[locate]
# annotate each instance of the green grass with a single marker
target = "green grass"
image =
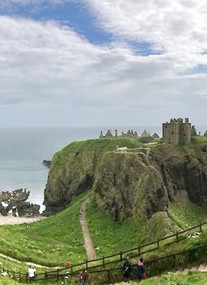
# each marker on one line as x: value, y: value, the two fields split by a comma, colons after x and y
x: 58, y: 238
x: 198, y: 139
x: 54, y: 240
x: 99, y: 146
x: 4, y: 280
x: 185, y: 214
x: 197, y: 278
x: 9, y: 265
x: 112, y: 237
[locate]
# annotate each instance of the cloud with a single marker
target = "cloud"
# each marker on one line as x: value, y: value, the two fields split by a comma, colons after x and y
x: 170, y: 26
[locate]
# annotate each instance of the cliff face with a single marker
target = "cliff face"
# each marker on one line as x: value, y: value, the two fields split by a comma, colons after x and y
x: 183, y: 171
x: 129, y: 183
x: 72, y: 178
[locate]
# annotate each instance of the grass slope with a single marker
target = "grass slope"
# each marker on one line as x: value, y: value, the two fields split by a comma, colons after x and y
x: 58, y: 238
x: 54, y: 240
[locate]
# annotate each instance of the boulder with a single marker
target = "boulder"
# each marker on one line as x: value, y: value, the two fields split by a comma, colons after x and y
x: 27, y: 209
x: 46, y: 163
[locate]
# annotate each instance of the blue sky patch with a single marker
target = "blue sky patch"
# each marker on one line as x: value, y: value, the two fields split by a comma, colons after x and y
x: 144, y: 48
x: 74, y: 15
x: 201, y: 68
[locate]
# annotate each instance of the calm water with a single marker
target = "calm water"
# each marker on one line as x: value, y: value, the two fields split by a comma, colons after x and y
x: 23, y: 150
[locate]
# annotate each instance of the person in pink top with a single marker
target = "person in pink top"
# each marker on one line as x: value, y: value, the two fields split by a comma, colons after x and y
x: 140, y: 270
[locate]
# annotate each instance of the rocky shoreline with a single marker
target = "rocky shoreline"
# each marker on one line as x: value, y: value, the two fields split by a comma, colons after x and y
x: 16, y: 204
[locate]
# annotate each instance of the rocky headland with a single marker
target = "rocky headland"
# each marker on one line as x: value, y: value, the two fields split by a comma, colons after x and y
x: 128, y: 182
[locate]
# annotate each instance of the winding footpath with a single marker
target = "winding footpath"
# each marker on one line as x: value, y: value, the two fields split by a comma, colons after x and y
x: 90, y: 250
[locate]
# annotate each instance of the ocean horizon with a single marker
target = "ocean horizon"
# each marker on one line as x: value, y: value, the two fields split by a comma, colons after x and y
x: 24, y: 149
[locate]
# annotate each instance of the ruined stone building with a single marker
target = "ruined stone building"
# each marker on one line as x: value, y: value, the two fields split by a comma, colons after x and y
x: 114, y: 134
x: 176, y: 131
x: 109, y: 134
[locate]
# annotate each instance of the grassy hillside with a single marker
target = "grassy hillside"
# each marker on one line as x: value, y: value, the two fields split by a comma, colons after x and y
x: 58, y: 238
x: 185, y: 214
x: 197, y: 278
x: 100, y: 146
x: 54, y: 240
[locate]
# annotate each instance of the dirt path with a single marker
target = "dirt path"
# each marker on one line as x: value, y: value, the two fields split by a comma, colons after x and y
x: 91, y: 253
x: 22, y: 262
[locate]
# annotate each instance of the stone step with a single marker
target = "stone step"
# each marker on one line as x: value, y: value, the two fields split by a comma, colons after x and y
x: 194, y: 268
x: 202, y: 268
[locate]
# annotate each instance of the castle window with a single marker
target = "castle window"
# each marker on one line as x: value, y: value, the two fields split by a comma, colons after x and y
x: 172, y: 132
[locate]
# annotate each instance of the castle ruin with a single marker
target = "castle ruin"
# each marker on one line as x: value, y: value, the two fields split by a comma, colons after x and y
x: 176, y: 131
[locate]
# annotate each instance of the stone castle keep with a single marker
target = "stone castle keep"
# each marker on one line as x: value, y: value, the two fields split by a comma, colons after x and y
x: 176, y: 131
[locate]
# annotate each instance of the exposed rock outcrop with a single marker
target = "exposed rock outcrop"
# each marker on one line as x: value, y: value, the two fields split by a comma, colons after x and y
x: 127, y: 184
x: 46, y: 163
x: 15, y: 201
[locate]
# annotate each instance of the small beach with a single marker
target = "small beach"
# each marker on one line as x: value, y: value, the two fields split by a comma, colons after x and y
x: 11, y: 220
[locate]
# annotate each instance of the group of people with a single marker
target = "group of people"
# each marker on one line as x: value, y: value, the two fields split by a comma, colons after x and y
x: 83, y: 275
x: 140, y: 270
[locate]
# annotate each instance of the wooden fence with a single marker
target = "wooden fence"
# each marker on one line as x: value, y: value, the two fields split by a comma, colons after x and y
x: 108, y: 264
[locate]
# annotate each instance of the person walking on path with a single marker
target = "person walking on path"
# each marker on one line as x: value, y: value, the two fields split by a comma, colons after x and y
x: 126, y: 270
x: 141, y: 274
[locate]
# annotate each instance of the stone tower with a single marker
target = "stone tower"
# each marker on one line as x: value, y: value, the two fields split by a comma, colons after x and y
x: 176, y: 131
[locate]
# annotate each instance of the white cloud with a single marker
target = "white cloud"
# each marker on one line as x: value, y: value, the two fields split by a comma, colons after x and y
x: 48, y: 71
x: 178, y: 25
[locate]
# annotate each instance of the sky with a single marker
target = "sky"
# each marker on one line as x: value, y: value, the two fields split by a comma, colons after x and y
x: 102, y: 62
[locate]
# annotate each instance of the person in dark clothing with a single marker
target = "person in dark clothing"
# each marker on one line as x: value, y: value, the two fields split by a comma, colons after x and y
x: 83, y: 276
x: 140, y: 270
x: 126, y: 270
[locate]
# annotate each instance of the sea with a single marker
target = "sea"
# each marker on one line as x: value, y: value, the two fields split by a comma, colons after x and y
x: 22, y: 151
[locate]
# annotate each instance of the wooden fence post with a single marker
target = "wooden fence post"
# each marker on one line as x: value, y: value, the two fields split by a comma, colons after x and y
x: 200, y: 227
x: 46, y: 276
x: 177, y: 236
x: 139, y: 250
x: 158, y: 243
x: 109, y: 276
x: 103, y: 261
x: 58, y: 275
x: 120, y: 255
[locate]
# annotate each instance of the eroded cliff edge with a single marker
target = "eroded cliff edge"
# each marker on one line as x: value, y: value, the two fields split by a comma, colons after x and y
x: 127, y: 183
